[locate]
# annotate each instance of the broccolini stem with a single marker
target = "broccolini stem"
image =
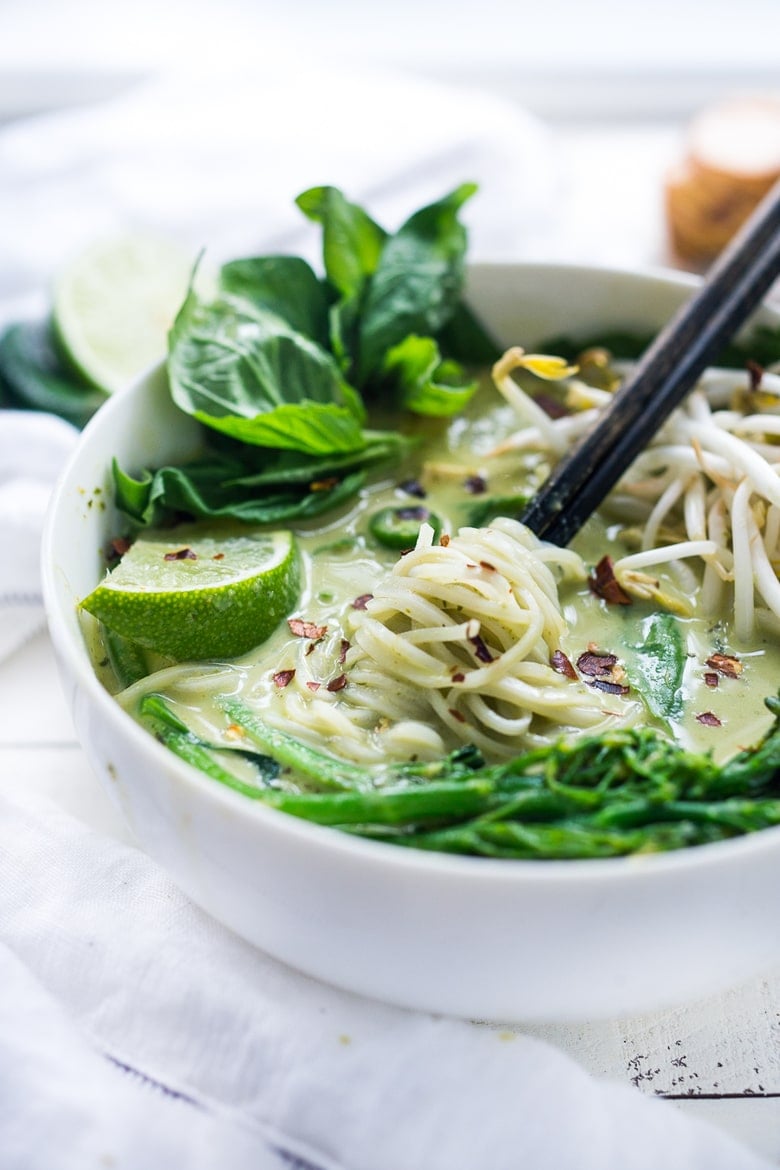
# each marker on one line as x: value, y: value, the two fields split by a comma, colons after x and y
x: 326, y: 771
x: 756, y: 769
x: 624, y: 791
x: 434, y: 802
x: 189, y: 749
x: 560, y: 841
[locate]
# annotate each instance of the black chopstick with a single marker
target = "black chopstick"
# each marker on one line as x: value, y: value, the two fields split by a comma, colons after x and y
x: 666, y: 372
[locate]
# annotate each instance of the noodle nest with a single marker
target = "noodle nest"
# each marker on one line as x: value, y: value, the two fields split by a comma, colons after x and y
x: 464, y: 631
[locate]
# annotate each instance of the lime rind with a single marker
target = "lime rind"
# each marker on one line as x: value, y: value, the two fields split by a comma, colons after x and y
x: 188, y: 596
x: 114, y: 304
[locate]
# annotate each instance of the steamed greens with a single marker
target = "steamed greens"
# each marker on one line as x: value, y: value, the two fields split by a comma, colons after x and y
x: 625, y: 791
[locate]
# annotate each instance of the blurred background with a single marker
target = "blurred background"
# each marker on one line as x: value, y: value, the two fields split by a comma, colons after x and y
x: 205, y: 118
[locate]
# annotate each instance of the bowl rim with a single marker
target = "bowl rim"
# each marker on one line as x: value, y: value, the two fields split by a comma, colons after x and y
x: 498, y: 871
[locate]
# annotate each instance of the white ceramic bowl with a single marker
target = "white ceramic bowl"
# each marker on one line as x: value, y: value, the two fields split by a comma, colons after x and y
x: 473, y: 937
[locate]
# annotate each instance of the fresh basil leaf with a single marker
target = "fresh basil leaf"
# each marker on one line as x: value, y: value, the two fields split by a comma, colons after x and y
x: 424, y: 383
x: 133, y: 496
x: 351, y: 241
x: 315, y: 428
x: 198, y: 490
x: 243, y: 371
x: 466, y: 339
x: 286, y: 506
x: 33, y: 376
x: 344, y: 321
x: 285, y: 285
x: 658, y: 664
x: 156, y: 495
x: 417, y: 283
x: 290, y: 467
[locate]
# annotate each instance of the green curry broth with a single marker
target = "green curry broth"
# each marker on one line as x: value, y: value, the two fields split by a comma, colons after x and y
x: 341, y: 560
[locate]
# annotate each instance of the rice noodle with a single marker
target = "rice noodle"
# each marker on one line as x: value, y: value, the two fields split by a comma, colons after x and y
x: 465, y: 632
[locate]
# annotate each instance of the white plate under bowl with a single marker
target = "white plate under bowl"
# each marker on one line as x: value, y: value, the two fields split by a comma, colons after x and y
x: 478, y: 938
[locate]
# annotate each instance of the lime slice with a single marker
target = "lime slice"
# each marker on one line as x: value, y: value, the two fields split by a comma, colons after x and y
x: 190, y: 593
x: 114, y: 305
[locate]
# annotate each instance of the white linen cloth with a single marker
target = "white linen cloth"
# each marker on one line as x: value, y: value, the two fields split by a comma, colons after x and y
x: 216, y: 164
x: 33, y: 449
x: 102, y: 957
x: 136, y: 1032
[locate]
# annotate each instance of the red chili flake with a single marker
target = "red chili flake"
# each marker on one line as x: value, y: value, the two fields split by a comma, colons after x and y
x: 458, y: 676
x: 475, y: 484
x: 726, y: 664
x: 708, y: 719
x: 457, y: 715
x: 551, y: 406
x: 182, y: 554
x: 610, y: 688
x: 343, y: 651
x: 313, y: 686
x: 755, y: 373
x: 283, y: 678
x: 303, y: 629
x: 480, y: 649
x: 362, y: 601
x: 602, y: 670
x: 337, y: 684
x: 234, y: 729
x: 218, y: 557
x: 413, y: 487
x: 605, y: 584
x: 561, y: 663
x: 711, y: 679
x: 487, y: 566
x: 444, y: 540
x: 120, y: 545
x: 595, y: 663
x: 323, y: 485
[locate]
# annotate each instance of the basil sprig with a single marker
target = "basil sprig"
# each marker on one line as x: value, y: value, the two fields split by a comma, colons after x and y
x: 281, y: 366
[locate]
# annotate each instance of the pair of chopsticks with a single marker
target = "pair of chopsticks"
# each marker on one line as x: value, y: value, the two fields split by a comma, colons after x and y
x: 666, y: 372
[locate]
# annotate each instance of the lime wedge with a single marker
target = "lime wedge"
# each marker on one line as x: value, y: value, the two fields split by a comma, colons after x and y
x: 114, y: 304
x: 190, y: 593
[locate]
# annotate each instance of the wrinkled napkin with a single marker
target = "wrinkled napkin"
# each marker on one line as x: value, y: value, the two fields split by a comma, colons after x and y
x: 217, y: 166
x: 33, y: 449
x: 136, y: 1032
